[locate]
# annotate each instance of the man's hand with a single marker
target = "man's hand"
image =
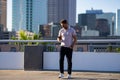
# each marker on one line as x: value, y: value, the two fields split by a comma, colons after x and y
x: 59, y: 38
x: 75, y: 40
x: 72, y: 46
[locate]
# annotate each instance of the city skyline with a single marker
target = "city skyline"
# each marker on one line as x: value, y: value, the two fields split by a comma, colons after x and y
x: 28, y: 15
x: 81, y: 7
x: 84, y: 5
x: 59, y: 9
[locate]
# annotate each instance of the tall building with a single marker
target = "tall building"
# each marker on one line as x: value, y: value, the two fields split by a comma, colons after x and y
x: 3, y: 13
x: 62, y: 9
x: 103, y: 27
x: 45, y: 31
x: 118, y: 22
x: 1, y: 28
x: 92, y: 11
x: 50, y: 30
x: 111, y: 17
x: 90, y: 33
x: 28, y: 14
x: 87, y: 20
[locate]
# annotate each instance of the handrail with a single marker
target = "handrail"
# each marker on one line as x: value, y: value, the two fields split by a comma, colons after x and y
x: 78, y: 41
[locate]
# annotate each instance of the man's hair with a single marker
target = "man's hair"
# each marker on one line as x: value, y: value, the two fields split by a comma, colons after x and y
x: 63, y: 21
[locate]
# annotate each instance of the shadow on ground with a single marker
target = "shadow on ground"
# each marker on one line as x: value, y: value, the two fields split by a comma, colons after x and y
x: 78, y: 78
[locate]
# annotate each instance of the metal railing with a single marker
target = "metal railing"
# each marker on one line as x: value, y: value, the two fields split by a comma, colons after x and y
x: 87, y: 45
x: 78, y: 41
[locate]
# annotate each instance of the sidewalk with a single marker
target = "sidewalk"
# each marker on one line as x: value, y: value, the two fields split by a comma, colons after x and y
x: 53, y: 75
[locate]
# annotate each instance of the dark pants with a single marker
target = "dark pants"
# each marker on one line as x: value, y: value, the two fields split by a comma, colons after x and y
x: 64, y: 51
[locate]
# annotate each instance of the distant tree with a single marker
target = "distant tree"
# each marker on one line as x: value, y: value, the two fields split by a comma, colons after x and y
x: 13, y: 38
x: 23, y: 35
x: 110, y: 49
x: 118, y: 50
x: 36, y: 37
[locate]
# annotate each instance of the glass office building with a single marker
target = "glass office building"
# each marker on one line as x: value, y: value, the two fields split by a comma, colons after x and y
x: 118, y: 22
x: 62, y: 9
x: 28, y: 14
x: 92, y: 11
x: 111, y: 17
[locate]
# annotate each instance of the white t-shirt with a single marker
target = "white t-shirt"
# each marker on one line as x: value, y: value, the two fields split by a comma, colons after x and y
x: 67, y: 36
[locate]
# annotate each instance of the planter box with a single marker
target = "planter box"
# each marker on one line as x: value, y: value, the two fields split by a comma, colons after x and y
x: 86, y: 61
x: 33, y: 58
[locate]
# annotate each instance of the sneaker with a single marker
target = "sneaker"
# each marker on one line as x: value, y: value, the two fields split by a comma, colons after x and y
x: 61, y: 75
x: 69, y: 76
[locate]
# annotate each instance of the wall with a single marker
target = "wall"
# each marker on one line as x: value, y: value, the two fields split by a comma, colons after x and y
x: 85, y: 61
x: 81, y: 61
x: 11, y: 60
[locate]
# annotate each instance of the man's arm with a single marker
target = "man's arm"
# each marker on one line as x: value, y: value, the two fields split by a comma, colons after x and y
x: 59, y: 38
x: 74, y: 41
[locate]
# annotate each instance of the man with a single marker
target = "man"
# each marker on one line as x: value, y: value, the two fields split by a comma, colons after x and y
x: 67, y: 37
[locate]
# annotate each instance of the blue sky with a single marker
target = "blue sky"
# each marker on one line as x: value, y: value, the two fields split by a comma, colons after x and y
x: 82, y: 6
x: 105, y: 5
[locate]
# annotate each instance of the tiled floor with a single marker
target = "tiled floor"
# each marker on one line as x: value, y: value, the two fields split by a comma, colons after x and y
x: 53, y: 75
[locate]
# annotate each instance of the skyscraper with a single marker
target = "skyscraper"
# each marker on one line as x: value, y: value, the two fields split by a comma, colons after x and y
x: 118, y: 22
x: 111, y: 17
x: 62, y: 9
x: 87, y: 20
x: 28, y: 14
x: 103, y: 27
x: 92, y: 11
x: 3, y: 13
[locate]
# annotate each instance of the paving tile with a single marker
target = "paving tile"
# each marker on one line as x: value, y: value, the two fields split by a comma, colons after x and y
x: 53, y: 75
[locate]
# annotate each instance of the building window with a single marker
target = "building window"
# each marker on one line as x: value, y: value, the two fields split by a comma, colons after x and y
x: 80, y: 49
x: 0, y: 49
x: 13, y: 49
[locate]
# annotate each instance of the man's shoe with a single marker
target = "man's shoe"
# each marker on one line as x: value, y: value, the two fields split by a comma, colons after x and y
x: 69, y: 76
x: 61, y: 75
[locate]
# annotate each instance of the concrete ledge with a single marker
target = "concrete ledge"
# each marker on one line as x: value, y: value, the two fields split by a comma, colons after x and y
x: 87, y: 61
x: 12, y: 60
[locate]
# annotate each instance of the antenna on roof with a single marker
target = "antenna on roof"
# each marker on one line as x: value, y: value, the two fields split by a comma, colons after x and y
x: 91, y: 8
